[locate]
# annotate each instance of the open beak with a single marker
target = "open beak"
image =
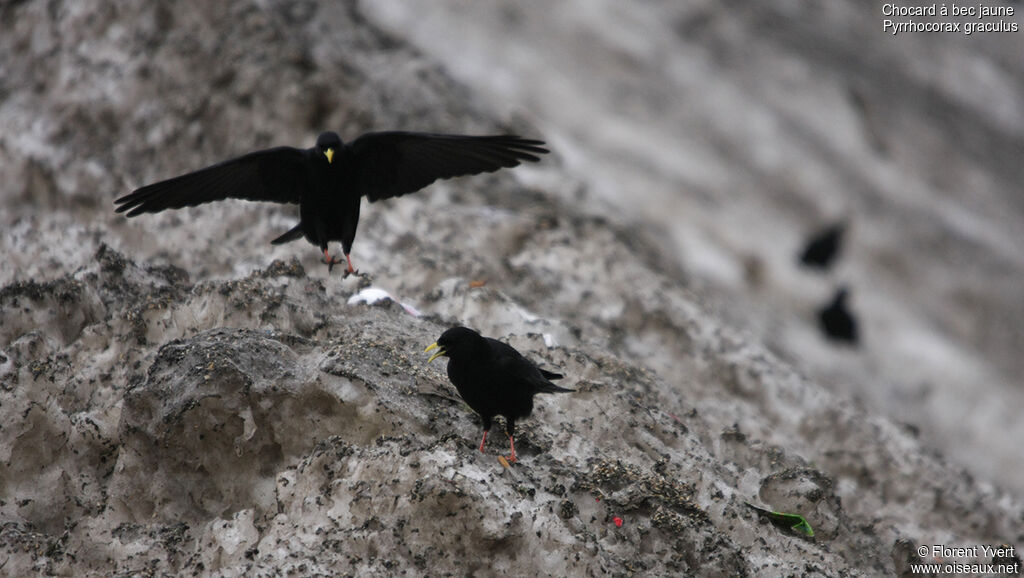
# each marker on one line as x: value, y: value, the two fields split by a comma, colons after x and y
x: 329, y: 153
x: 440, y: 351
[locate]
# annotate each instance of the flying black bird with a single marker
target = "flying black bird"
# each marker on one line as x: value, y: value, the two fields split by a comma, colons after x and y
x: 328, y: 180
x: 837, y: 321
x: 493, y: 378
x: 823, y: 248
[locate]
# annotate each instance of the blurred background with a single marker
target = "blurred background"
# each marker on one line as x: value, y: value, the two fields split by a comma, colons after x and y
x: 731, y: 132
x: 739, y: 130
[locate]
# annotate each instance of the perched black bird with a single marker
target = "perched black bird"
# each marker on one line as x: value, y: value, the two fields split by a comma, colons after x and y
x: 493, y: 378
x: 328, y: 180
x: 823, y: 247
x: 837, y: 321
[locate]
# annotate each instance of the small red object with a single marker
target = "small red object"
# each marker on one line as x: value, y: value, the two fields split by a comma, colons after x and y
x: 618, y: 521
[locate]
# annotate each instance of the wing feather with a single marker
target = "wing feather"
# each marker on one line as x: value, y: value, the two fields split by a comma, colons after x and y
x: 391, y: 164
x: 278, y: 175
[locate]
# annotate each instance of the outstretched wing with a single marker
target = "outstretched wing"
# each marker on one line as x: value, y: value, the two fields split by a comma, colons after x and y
x: 277, y: 174
x: 391, y: 164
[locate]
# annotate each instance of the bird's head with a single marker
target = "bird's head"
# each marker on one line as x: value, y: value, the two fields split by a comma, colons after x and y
x: 328, y: 144
x: 457, y: 342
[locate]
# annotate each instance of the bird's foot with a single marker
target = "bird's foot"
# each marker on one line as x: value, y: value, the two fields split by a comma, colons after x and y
x: 331, y: 262
x: 512, y: 444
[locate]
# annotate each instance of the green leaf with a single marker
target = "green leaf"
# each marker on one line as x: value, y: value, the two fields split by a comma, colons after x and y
x: 794, y: 522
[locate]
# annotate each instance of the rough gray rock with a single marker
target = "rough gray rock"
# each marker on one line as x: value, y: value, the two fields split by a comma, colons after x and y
x: 179, y: 397
x: 738, y: 129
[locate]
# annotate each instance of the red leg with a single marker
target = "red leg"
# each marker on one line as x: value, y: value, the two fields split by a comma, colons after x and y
x: 483, y: 441
x: 351, y: 269
x: 512, y: 443
x: 331, y: 262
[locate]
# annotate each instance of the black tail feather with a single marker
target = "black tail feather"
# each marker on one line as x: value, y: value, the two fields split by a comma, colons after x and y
x: 291, y: 235
x: 548, y: 387
x: 551, y: 375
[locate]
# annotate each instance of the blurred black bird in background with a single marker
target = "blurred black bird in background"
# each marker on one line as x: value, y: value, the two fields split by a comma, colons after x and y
x: 837, y: 321
x: 823, y: 247
x: 493, y: 378
x: 328, y: 180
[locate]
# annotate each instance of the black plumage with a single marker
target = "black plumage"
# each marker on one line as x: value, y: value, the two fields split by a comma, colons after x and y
x: 329, y: 180
x: 823, y: 247
x: 493, y: 378
x: 837, y: 322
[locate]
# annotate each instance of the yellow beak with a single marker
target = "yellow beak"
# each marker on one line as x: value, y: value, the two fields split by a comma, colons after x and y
x: 433, y: 346
x: 329, y: 153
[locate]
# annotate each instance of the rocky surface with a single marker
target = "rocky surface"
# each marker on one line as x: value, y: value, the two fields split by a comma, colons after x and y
x: 739, y: 129
x: 180, y: 397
